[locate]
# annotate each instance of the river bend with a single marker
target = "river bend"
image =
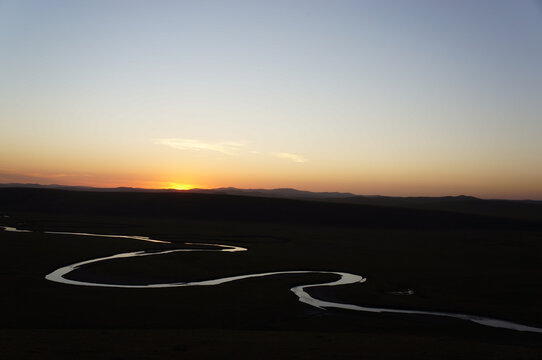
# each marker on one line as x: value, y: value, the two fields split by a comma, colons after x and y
x: 300, y: 291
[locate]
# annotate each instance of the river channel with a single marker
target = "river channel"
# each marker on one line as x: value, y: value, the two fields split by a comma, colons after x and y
x: 59, y: 275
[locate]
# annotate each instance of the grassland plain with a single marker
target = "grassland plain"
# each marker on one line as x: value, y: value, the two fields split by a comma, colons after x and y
x: 468, y: 264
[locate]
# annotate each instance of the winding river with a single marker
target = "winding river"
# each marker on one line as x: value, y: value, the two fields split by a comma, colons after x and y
x: 300, y: 291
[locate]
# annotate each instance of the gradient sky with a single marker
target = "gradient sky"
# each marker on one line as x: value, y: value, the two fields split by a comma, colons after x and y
x: 372, y: 97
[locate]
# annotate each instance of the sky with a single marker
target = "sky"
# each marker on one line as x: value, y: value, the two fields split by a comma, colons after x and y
x: 401, y: 98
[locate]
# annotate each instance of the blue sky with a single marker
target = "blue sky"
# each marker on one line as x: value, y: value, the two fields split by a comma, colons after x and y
x: 391, y: 97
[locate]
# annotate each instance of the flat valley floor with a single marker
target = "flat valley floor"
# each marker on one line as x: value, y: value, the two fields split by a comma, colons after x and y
x: 479, y: 271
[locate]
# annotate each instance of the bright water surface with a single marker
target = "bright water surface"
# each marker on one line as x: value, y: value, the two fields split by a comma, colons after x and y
x: 300, y: 291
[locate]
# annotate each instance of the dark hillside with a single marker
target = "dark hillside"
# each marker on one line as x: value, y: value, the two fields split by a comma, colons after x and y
x: 240, y: 208
x: 514, y: 209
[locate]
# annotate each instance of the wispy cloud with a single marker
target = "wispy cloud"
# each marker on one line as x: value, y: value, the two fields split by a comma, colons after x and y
x: 225, y: 147
x: 293, y: 157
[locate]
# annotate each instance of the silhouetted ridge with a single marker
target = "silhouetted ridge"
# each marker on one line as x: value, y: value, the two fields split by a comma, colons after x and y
x: 515, y: 209
x: 239, y: 208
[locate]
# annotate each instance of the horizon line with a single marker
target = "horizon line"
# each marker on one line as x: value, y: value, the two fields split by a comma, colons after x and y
x: 194, y: 189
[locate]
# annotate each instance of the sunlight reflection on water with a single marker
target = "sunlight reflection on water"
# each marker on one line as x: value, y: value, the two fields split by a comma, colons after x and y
x: 300, y: 291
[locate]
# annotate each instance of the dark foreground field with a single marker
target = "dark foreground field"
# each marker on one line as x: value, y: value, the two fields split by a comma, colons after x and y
x: 454, y: 262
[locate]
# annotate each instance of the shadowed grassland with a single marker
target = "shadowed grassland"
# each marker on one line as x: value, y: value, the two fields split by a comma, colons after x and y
x: 481, y: 266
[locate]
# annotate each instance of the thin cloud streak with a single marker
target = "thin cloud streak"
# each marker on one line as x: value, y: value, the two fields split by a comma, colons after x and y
x: 225, y: 147
x: 293, y: 157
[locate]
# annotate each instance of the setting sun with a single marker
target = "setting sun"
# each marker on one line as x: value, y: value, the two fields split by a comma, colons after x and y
x: 178, y: 186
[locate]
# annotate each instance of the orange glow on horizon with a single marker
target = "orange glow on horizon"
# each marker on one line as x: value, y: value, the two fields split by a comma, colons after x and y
x: 179, y: 186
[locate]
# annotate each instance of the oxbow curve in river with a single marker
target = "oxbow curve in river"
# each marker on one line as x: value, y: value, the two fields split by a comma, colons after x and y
x: 300, y: 291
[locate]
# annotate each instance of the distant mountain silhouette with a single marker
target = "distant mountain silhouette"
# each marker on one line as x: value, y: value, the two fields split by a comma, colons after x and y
x: 258, y: 209
x: 512, y: 209
x: 82, y: 188
x: 283, y: 193
x: 515, y: 209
